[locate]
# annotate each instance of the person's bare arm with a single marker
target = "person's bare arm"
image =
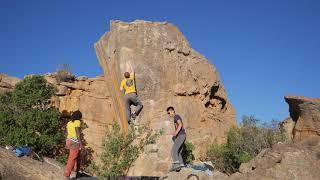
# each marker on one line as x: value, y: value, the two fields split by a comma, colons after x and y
x: 130, y: 68
x: 178, y: 128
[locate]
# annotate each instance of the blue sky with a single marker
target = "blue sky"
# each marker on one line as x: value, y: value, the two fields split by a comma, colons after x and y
x: 263, y: 49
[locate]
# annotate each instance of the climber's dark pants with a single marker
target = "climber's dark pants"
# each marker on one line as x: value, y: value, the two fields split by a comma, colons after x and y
x: 177, y: 148
x: 132, y: 99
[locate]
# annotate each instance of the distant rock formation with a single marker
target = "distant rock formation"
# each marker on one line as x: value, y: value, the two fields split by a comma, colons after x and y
x: 168, y: 73
x: 7, y: 83
x: 305, y: 112
x: 284, y: 161
x: 298, y: 158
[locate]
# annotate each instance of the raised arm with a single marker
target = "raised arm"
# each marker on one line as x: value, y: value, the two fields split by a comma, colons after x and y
x: 130, y: 68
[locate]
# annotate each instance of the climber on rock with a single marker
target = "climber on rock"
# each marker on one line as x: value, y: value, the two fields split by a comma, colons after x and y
x: 179, y: 137
x: 128, y: 85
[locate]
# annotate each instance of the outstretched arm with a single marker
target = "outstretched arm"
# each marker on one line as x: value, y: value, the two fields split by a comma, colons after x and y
x: 130, y: 68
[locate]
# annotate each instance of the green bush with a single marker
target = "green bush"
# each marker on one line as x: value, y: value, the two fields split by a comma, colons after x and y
x: 187, y: 152
x: 62, y: 158
x: 243, y: 144
x: 216, y: 153
x: 27, y: 118
x: 120, y: 151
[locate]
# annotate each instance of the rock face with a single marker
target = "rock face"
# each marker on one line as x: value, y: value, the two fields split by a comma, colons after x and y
x: 7, y: 83
x: 12, y: 167
x: 305, y: 112
x: 168, y: 73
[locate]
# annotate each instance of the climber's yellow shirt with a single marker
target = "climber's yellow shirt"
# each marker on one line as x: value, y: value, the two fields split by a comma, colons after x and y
x: 71, y: 128
x: 128, y: 84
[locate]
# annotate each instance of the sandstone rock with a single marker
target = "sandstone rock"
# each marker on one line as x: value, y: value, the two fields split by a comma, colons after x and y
x: 219, y: 175
x: 12, y: 167
x: 7, y: 83
x: 168, y: 73
x: 305, y: 112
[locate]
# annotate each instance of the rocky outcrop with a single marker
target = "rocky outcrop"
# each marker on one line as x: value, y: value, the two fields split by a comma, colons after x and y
x: 297, y: 160
x: 168, y: 73
x: 7, y: 83
x: 284, y: 161
x: 12, y: 167
x: 305, y: 112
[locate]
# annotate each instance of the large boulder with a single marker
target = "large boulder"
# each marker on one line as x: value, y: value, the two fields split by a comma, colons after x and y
x: 305, y: 112
x: 168, y: 73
